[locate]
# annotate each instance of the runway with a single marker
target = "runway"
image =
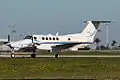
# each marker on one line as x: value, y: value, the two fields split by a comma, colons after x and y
x: 65, y: 56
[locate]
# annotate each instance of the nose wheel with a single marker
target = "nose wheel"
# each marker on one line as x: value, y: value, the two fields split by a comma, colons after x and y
x: 12, y: 55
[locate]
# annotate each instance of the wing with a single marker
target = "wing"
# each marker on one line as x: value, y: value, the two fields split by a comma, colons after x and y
x: 68, y: 45
x: 64, y: 46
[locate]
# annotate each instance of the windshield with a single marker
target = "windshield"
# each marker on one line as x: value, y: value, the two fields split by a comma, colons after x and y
x: 28, y: 37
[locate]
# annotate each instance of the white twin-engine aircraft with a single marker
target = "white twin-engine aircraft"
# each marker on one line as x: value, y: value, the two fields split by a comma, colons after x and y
x: 56, y: 43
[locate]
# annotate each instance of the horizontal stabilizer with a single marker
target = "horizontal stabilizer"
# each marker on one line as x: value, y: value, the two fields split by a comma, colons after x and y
x: 100, y: 21
x: 96, y: 23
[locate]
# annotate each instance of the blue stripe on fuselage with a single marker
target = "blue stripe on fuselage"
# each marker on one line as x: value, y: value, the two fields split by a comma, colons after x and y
x: 62, y: 42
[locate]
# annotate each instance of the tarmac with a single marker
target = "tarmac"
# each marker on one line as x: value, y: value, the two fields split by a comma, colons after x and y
x: 65, y: 56
x: 28, y: 54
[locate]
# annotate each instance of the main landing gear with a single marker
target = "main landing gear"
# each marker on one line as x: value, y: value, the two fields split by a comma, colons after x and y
x: 57, y: 55
x: 33, y: 55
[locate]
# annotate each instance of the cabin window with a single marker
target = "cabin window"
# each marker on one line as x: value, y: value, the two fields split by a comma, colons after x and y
x: 69, y: 39
x: 35, y: 37
x: 46, y: 38
x: 50, y: 38
x: 43, y: 38
x: 53, y: 38
x: 57, y: 38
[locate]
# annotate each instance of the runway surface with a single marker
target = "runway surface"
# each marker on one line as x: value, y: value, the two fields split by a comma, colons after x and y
x: 40, y: 56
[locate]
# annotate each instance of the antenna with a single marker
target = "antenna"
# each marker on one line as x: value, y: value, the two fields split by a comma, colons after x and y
x: 57, y: 33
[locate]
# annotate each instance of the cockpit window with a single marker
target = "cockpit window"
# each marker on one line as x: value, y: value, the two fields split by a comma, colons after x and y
x: 28, y: 37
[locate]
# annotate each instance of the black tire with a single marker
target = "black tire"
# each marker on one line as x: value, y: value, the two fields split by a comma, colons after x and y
x: 12, y: 55
x: 56, y: 55
x: 33, y: 55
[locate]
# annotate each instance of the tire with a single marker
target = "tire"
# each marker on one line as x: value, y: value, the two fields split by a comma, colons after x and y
x: 12, y: 55
x: 33, y: 55
x: 56, y: 55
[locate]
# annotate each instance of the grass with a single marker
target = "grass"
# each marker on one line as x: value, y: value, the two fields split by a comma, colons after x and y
x: 67, y: 68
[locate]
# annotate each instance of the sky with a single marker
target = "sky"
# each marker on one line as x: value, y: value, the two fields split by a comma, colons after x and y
x: 63, y: 16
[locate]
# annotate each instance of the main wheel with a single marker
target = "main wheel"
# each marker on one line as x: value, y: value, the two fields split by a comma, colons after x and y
x: 12, y: 55
x: 56, y: 55
x: 33, y: 55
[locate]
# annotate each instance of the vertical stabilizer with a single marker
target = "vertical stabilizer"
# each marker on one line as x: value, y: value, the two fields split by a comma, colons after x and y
x: 91, y: 29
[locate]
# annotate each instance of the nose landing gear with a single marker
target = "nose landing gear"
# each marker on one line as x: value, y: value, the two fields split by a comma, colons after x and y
x: 12, y: 55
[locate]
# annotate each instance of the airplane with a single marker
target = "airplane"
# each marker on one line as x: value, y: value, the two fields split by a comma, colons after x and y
x: 57, y: 43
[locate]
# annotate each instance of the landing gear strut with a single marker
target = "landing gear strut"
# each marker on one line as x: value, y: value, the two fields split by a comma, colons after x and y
x: 12, y: 53
x: 56, y: 52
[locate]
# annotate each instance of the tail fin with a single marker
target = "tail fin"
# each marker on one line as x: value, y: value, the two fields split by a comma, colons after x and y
x: 91, y: 29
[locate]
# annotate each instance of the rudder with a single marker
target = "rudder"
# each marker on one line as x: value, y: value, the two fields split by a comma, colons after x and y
x: 91, y: 29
